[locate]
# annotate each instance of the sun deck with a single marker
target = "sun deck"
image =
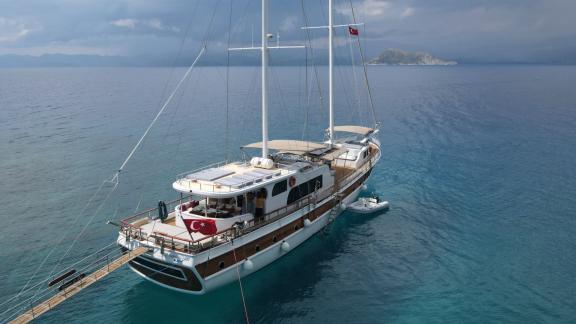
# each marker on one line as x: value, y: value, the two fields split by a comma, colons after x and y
x: 232, y: 179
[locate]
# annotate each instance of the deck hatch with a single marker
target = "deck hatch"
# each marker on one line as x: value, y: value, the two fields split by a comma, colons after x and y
x: 210, y: 174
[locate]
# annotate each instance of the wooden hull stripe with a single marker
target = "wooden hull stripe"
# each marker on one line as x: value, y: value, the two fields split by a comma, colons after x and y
x: 226, y: 260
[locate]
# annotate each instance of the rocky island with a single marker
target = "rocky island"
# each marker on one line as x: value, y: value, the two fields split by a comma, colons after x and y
x: 394, y: 56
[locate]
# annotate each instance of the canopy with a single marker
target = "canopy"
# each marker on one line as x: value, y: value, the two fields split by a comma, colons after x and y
x: 334, y: 154
x: 353, y: 129
x: 289, y: 146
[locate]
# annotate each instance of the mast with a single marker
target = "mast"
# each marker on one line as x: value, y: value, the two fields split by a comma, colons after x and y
x: 330, y: 72
x: 264, y: 79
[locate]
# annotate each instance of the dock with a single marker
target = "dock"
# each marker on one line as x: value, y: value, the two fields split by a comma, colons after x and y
x: 76, y: 287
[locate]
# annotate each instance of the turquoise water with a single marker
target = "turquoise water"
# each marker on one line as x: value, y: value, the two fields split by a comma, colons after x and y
x: 478, y: 166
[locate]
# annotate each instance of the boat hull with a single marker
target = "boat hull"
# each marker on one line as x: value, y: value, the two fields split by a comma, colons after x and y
x: 214, y: 268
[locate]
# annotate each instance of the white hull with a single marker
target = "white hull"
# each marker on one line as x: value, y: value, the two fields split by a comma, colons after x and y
x: 258, y: 260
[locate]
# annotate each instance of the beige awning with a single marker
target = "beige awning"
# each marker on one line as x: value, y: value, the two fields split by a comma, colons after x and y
x: 353, y: 129
x: 289, y: 146
x: 330, y: 156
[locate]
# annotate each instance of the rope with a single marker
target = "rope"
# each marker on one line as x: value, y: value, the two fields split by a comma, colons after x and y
x: 312, y: 55
x: 115, y: 177
x: 365, y: 71
x: 48, y: 278
x: 47, y: 289
x: 240, y: 283
x: 57, y: 244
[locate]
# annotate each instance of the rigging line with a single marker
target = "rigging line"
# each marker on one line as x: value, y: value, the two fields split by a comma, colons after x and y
x: 138, y: 205
x: 307, y: 30
x: 70, y: 246
x: 356, y: 94
x: 276, y: 83
x: 251, y: 93
x: 115, y: 177
x: 61, y: 239
x: 209, y: 27
x: 48, y: 278
x: 340, y: 76
x: 306, y: 94
x: 174, y: 61
x: 202, y: 50
x: 86, y: 268
x: 371, y: 102
x: 39, y: 294
x: 240, y: 283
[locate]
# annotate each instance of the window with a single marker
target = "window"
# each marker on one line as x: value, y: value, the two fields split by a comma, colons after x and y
x: 165, y: 269
x: 279, y: 188
x: 316, y: 183
x: 303, y: 189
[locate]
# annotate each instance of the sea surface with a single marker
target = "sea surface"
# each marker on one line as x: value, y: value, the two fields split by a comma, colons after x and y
x: 479, y: 166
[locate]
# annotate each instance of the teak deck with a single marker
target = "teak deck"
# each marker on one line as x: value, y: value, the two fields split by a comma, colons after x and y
x: 53, y: 301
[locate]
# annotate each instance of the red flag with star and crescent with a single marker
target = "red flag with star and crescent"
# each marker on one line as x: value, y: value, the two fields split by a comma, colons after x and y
x: 353, y: 31
x: 202, y: 226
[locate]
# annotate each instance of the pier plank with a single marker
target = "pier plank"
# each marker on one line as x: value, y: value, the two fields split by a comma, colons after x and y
x: 63, y: 295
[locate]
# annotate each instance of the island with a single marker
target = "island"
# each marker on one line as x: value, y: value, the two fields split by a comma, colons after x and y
x: 393, y: 56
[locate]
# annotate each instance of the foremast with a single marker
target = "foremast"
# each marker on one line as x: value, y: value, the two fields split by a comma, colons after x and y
x: 264, y: 52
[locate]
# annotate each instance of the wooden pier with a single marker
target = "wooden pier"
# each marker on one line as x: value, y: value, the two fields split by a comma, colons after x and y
x: 73, y: 289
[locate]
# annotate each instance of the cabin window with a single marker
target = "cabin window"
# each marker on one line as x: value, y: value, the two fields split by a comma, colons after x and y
x: 162, y: 268
x: 304, y: 189
x: 279, y: 188
x: 316, y: 183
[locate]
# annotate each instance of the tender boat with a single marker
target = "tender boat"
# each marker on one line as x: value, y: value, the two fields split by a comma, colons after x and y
x: 368, y: 205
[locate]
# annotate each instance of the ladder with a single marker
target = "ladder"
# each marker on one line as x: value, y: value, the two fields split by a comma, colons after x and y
x: 335, y: 210
x: 73, y: 289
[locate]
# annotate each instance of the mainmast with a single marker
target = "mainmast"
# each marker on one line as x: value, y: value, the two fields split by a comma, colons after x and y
x: 330, y: 28
x: 264, y: 51
x: 330, y: 73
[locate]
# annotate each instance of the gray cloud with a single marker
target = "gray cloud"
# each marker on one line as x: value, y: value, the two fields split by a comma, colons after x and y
x: 473, y: 30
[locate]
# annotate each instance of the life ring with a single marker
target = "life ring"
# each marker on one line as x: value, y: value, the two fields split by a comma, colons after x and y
x: 292, y: 182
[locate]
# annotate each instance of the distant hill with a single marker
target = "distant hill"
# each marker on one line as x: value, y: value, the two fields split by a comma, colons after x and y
x: 394, y: 56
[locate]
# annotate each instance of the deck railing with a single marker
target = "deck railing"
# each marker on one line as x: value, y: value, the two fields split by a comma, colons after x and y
x: 167, y: 241
x: 164, y: 240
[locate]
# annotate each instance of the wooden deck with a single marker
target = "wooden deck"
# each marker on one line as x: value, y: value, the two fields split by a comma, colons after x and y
x: 53, y: 301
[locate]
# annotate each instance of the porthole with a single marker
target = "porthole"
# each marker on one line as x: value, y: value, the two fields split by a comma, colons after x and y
x: 257, y: 248
x: 274, y: 239
x: 295, y: 227
x: 221, y: 265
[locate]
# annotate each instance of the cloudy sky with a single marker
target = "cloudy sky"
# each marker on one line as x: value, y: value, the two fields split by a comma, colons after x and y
x: 467, y: 30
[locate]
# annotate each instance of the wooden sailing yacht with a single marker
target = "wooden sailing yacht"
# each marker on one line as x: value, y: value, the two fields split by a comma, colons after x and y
x: 234, y: 218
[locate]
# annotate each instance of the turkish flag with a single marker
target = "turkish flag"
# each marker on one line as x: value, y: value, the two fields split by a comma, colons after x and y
x: 204, y: 226
x: 353, y: 31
